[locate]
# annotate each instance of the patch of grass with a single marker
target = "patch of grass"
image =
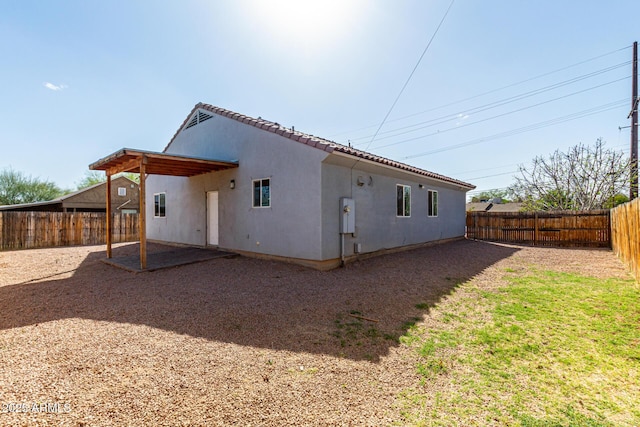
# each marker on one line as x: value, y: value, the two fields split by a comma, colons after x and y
x: 301, y: 370
x: 410, y: 323
x: 449, y: 317
x: 548, y: 349
x: 422, y: 306
x: 390, y: 337
x: 354, y: 332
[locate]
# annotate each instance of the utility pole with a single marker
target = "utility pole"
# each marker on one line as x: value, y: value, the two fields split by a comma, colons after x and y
x: 633, y: 155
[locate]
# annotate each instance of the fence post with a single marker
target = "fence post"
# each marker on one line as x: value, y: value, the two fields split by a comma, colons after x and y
x: 535, y: 228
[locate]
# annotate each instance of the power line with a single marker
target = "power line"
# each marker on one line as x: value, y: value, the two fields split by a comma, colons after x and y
x: 490, y: 176
x: 499, y: 103
x: 625, y: 147
x: 410, y: 75
x: 483, y: 169
x: 505, y: 101
x: 535, y: 126
x: 497, y: 116
x: 492, y: 91
x: 487, y: 190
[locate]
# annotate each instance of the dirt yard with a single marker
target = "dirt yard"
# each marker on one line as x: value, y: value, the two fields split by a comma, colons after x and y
x: 230, y: 341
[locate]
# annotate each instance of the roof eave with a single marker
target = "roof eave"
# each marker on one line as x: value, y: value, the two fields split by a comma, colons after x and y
x: 417, y: 172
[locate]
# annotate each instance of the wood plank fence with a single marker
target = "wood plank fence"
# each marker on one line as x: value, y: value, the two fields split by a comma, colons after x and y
x: 625, y: 234
x: 563, y: 228
x: 28, y: 230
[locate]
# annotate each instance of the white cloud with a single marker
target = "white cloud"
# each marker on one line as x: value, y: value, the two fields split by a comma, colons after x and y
x: 54, y: 87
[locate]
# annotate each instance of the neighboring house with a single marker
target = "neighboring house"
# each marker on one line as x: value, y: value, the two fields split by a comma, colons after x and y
x: 493, y: 207
x: 124, y: 199
x: 283, y: 194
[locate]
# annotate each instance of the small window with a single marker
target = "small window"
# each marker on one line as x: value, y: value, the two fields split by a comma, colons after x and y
x: 159, y: 205
x: 432, y: 201
x: 403, y: 203
x: 122, y: 191
x: 261, y: 193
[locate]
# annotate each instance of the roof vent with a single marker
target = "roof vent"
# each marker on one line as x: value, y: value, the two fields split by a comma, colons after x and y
x: 198, y: 117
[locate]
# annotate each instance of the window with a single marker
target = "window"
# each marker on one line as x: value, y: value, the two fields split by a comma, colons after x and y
x: 122, y: 191
x: 159, y: 205
x: 432, y: 202
x: 403, y: 204
x: 261, y: 193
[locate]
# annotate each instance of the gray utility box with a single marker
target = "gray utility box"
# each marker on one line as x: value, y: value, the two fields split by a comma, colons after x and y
x: 347, y: 216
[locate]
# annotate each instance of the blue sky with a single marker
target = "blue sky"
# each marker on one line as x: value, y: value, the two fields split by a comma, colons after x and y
x: 502, y: 82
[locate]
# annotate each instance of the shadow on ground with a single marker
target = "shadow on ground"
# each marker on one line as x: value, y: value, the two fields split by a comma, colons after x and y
x: 357, y: 312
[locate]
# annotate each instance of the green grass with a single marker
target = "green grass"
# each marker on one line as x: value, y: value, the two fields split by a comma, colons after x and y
x: 548, y: 349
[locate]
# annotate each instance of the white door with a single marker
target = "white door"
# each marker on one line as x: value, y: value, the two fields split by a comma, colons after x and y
x: 212, y: 218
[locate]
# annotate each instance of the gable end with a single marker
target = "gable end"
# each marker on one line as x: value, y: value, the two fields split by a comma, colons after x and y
x: 196, y: 118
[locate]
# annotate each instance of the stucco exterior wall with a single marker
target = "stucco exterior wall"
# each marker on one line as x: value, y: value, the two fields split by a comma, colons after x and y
x: 290, y: 227
x: 377, y: 225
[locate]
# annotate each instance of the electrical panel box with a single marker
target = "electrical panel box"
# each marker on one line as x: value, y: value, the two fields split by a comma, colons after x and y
x: 347, y: 216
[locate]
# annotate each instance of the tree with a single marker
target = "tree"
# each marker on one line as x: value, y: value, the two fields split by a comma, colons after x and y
x: 16, y: 188
x: 616, y: 200
x: 583, y: 178
x: 96, y: 177
x: 91, y: 178
x: 489, y: 195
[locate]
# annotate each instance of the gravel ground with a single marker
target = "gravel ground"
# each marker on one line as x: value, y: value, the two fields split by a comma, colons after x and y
x: 230, y: 341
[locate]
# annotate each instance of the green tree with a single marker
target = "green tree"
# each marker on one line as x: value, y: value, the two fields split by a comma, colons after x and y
x: 616, y: 200
x: 583, y: 178
x: 16, y: 188
x: 96, y: 177
x: 491, y: 194
x: 91, y: 178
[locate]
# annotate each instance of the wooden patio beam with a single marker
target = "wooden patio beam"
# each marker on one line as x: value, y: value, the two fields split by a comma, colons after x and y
x: 128, y: 166
x: 142, y: 223
x: 109, y: 225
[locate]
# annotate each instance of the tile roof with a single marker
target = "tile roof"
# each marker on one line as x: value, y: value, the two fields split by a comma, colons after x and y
x: 317, y: 142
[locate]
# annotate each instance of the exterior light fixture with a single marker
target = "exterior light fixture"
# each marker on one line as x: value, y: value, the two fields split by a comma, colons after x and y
x: 232, y: 184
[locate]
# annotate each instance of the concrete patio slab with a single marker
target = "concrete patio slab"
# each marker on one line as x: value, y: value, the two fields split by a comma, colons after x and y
x: 173, y: 257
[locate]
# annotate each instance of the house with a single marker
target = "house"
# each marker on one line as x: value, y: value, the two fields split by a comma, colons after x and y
x: 254, y: 187
x: 124, y: 197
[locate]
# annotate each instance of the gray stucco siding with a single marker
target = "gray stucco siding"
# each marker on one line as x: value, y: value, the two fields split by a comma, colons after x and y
x: 290, y: 227
x: 377, y: 224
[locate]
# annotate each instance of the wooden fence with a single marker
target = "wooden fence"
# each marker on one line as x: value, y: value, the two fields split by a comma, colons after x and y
x: 28, y: 230
x: 625, y: 234
x: 564, y: 228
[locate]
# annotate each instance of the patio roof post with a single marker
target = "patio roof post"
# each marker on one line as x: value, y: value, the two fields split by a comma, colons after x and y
x: 109, y: 225
x: 142, y: 223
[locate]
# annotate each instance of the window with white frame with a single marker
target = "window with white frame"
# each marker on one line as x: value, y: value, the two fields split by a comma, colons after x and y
x: 403, y: 200
x: 122, y: 191
x: 262, y: 193
x: 432, y: 203
x: 159, y: 205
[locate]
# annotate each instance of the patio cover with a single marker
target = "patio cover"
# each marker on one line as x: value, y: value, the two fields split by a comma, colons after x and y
x: 149, y: 162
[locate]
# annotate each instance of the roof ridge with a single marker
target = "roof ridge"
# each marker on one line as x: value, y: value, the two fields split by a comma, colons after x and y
x: 314, y: 141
